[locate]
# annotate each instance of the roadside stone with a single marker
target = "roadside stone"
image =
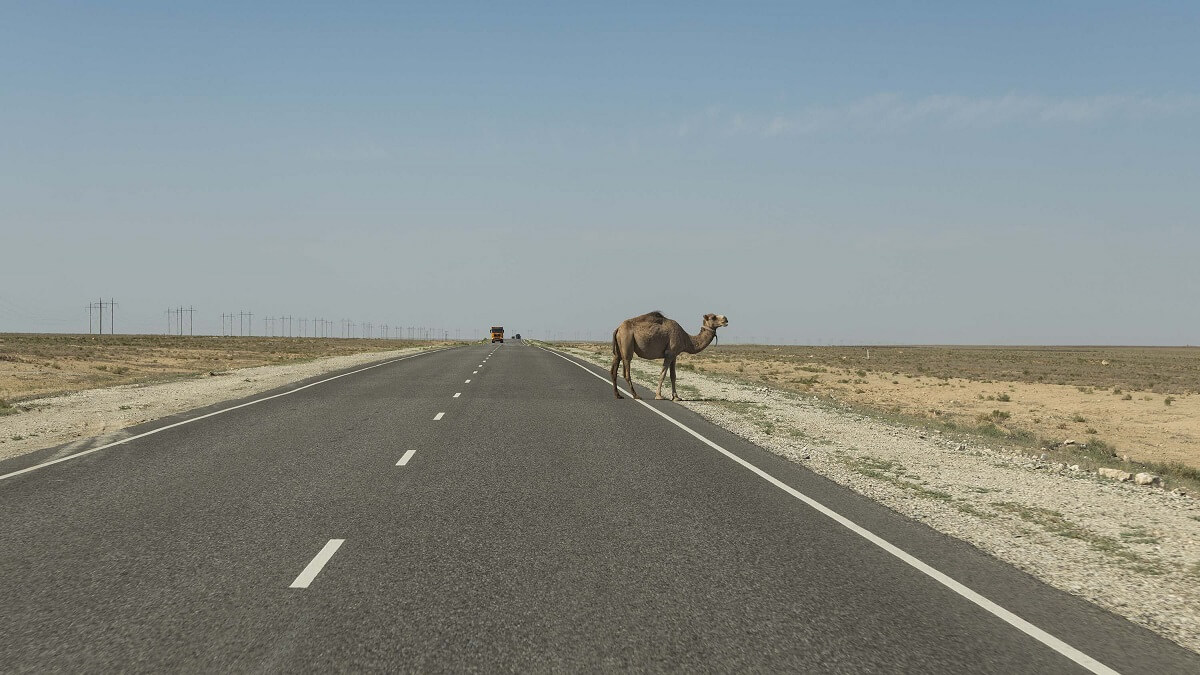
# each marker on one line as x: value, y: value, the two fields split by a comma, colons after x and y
x: 1115, y: 474
x: 1074, y: 467
x: 1069, y: 441
x: 1147, y: 479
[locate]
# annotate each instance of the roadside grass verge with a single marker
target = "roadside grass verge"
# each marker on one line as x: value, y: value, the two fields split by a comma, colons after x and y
x: 891, y: 472
x: 1055, y: 523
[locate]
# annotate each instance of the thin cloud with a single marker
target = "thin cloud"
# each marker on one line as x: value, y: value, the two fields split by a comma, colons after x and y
x: 889, y: 112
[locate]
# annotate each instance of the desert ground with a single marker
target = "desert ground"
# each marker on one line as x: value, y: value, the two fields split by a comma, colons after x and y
x: 33, y: 365
x: 1113, y: 402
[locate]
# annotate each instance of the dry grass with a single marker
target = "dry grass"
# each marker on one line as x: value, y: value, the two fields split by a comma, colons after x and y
x: 38, y: 365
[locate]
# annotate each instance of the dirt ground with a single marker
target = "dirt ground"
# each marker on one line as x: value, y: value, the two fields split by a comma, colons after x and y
x: 1135, y: 401
x: 33, y: 365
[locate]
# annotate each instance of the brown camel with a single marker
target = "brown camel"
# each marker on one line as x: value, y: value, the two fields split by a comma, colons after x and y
x: 654, y: 336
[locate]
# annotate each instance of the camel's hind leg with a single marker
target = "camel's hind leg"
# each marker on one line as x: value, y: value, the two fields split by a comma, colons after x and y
x: 632, y: 390
x: 615, y: 366
x: 674, y: 394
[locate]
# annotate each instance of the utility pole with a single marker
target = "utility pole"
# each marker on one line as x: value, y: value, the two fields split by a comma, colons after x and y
x: 91, y: 306
x: 112, y: 317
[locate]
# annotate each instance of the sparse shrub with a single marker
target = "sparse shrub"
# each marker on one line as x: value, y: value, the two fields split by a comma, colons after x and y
x: 1168, y: 400
x: 1078, y: 418
x: 1091, y: 430
x: 1127, y: 397
x: 995, y: 416
x: 6, y: 409
x: 861, y: 373
x: 1116, y: 391
x: 1004, y: 397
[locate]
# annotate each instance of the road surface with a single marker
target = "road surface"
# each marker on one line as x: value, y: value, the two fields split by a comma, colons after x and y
x: 493, y: 507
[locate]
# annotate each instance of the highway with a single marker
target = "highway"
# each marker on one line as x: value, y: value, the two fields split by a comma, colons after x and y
x: 494, y: 508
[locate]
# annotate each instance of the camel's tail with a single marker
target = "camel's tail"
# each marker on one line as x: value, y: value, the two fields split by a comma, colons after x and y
x: 616, y: 349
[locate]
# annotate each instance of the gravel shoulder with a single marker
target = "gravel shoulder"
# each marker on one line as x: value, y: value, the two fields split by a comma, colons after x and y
x: 84, y: 417
x: 1131, y: 549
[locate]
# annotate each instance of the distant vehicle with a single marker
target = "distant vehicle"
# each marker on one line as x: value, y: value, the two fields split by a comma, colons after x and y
x: 497, y: 333
x: 517, y: 336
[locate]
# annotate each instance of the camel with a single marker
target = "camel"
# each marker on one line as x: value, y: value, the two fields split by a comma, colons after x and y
x: 654, y: 336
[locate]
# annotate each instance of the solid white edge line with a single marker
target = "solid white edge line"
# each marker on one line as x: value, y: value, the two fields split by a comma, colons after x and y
x: 314, y: 568
x: 211, y: 414
x: 996, y: 610
x: 407, y: 456
x: 438, y: 416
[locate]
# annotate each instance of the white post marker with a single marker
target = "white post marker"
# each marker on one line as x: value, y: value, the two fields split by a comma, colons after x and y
x: 314, y: 568
x: 407, y: 456
x: 438, y: 416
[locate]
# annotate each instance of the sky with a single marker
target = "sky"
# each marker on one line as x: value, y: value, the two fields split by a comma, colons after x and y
x: 819, y: 172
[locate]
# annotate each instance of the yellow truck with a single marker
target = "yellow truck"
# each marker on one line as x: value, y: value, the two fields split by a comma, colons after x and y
x: 497, y: 333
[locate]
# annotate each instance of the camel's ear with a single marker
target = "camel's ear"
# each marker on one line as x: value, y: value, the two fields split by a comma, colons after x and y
x: 709, y: 316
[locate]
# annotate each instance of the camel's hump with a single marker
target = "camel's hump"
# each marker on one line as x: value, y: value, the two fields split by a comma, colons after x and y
x: 655, y: 316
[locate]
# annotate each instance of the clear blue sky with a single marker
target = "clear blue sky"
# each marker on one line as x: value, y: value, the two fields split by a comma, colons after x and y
x: 885, y: 172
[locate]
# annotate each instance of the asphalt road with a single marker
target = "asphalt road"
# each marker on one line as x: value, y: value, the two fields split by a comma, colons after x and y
x: 537, y: 524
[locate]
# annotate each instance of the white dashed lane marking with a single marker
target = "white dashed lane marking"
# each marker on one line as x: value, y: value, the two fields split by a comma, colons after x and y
x: 314, y: 568
x: 458, y: 394
x: 407, y: 456
x: 438, y: 416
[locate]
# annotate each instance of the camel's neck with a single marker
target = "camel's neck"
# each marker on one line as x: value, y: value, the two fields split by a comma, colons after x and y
x: 699, y: 342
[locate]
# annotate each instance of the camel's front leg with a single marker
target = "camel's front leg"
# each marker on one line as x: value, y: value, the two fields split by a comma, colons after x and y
x: 674, y: 394
x: 663, y: 375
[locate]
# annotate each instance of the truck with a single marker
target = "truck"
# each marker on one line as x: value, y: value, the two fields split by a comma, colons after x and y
x: 497, y: 333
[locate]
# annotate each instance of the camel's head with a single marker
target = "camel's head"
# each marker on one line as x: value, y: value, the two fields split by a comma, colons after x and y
x: 715, y: 321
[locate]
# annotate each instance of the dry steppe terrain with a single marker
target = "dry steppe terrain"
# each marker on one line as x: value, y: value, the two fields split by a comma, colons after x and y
x: 33, y: 365
x: 1114, y: 402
